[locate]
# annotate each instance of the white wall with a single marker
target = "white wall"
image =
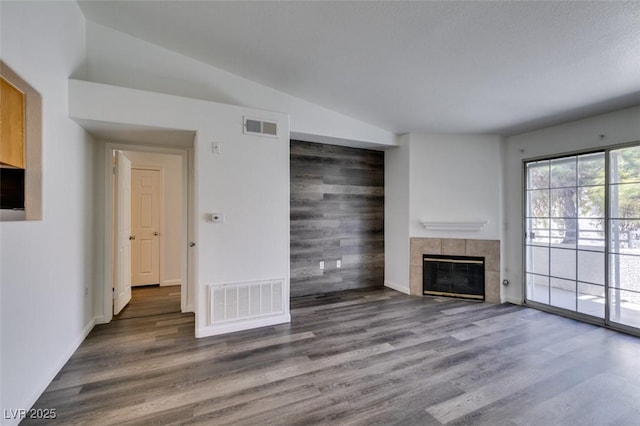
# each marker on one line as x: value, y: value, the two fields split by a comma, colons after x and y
x: 396, y: 216
x: 439, y: 178
x: 47, y: 266
x: 122, y: 60
x: 455, y: 178
x: 248, y: 181
x: 618, y: 127
x: 171, y: 227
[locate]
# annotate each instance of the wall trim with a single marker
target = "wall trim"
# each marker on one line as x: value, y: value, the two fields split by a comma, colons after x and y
x: 514, y: 300
x: 214, y: 330
x: 397, y: 287
x: 46, y: 380
x: 164, y: 283
x: 100, y: 319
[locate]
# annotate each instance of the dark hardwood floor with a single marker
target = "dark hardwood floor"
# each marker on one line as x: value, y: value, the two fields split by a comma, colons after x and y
x: 151, y: 300
x: 359, y: 357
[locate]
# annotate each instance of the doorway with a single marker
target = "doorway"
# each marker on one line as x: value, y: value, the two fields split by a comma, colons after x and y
x: 152, y: 279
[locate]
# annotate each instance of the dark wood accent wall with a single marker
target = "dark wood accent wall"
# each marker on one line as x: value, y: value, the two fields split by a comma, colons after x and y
x: 337, y: 213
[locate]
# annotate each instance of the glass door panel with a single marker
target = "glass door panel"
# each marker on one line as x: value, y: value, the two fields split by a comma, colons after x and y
x: 591, y: 300
x: 624, y: 231
x: 565, y: 259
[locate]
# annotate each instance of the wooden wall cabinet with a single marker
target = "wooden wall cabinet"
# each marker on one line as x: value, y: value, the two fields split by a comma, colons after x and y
x: 20, y: 146
x: 12, y: 125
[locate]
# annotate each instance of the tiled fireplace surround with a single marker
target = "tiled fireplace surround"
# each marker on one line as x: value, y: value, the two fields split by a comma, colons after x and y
x: 489, y: 249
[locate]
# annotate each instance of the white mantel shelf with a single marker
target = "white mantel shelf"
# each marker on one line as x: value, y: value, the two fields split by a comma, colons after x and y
x: 459, y: 226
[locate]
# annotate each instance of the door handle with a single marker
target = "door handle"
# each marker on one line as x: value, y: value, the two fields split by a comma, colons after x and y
x: 155, y: 234
x: 192, y: 244
x: 132, y: 237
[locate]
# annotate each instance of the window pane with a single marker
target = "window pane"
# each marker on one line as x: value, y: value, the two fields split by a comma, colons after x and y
x: 591, y: 267
x: 563, y: 232
x: 538, y: 175
x: 591, y: 201
x: 625, y: 236
x: 563, y: 293
x: 538, y: 203
x: 591, y: 169
x: 538, y: 288
x: 591, y: 299
x: 625, y: 201
x: 563, y: 263
x: 563, y: 202
x: 591, y: 234
x: 625, y: 307
x: 625, y: 165
x: 563, y: 172
x: 538, y: 231
x: 624, y: 272
x: 538, y: 260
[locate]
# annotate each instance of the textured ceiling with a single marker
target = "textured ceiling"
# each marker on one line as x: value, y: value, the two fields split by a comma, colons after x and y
x: 435, y: 67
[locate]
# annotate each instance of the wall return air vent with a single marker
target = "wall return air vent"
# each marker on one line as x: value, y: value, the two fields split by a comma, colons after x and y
x: 253, y: 126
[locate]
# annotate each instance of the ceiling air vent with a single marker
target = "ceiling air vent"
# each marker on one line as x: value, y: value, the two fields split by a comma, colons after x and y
x: 254, y: 126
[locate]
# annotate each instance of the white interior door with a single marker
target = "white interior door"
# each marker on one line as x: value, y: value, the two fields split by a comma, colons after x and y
x: 145, y: 225
x: 122, y: 263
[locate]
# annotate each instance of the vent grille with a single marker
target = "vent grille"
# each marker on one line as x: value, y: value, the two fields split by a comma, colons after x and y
x: 254, y: 126
x: 248, y: 300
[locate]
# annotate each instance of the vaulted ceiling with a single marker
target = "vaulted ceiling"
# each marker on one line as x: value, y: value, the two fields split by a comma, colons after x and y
x: 433, y: 67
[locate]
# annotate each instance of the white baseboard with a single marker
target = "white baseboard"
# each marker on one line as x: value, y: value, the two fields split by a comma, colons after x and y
x: 230, y: 327
x: 397, y: 287
x: 170, y: 282
x: 514, y: 300
x: 42, y: 385
x: 190, y: 308
x: 100, y: 320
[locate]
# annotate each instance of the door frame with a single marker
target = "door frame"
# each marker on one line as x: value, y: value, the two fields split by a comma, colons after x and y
x: 161, y: 215
x: 188, y: 285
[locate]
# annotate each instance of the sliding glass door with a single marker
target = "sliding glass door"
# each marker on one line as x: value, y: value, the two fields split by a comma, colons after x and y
x: 572, y: 204
x: 624, y: 223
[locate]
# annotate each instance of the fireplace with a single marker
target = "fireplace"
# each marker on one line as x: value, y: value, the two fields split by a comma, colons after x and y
x: 487, y: 249
x: 453, y: 276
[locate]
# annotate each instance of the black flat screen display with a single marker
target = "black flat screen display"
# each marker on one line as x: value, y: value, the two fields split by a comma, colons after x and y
x: 11, y: 189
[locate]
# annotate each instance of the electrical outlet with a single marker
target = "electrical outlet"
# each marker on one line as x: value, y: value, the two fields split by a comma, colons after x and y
x: 216, y: 147
x: 322, y: 264
x: 339, y: 264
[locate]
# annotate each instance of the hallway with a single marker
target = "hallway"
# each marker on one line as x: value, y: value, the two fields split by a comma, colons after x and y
x: 151, y: 300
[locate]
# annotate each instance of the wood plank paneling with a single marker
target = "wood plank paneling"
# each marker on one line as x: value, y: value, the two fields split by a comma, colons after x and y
x: 337, y: 213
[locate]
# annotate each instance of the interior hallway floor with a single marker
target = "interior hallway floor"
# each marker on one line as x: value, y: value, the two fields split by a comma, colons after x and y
x: 359, y: 357
x: 151, y: 300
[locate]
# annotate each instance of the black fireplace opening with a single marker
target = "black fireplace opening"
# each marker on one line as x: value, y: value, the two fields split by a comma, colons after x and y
x: 454, y: 276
